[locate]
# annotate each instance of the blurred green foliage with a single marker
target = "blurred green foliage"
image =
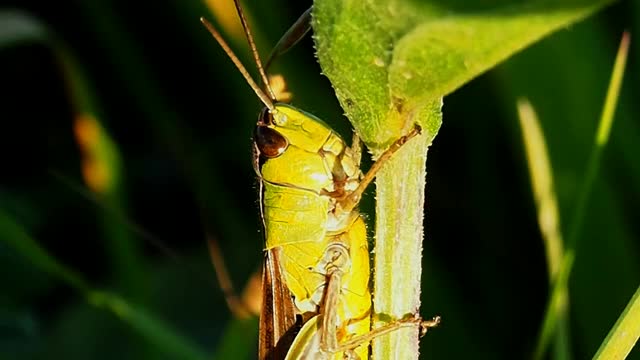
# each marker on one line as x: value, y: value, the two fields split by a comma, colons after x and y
x: 181, y: 117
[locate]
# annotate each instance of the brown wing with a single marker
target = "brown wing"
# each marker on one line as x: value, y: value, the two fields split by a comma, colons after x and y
x: 278, y: 323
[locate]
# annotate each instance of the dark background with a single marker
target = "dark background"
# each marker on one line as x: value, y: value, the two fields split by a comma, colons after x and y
x: 181, y: 117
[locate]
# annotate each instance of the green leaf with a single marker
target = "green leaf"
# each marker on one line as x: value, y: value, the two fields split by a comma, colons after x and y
x: 386, y: 58
x: 391, y: 63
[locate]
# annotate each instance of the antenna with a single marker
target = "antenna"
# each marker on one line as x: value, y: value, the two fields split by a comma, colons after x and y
x: 254, y: 50
x: 266, y: 100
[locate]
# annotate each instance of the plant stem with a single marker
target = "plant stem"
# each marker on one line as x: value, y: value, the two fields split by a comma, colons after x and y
x: 398, y: 243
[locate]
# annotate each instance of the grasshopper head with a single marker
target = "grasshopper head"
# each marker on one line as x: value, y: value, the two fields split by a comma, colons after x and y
x: 297, y: 149
x: 286, y: 126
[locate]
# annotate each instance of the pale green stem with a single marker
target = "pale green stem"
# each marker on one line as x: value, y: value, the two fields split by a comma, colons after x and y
x: 400, y: 188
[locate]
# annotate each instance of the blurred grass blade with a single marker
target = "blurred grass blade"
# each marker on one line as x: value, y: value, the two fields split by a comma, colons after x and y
x: 541, y: 175
x: 101, y: 160
x: 19, y: 27
x: 15, y: 236
x: 125, y: 54
x: 602, y: 136
x: 101, y: 166
x: 624, y: 334
x: 102, y: 172
x: 554, y: 315
x: 155, y: 331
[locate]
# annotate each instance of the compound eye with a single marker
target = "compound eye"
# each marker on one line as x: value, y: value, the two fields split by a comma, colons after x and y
x: 266, y: 118
x: 270, y: 142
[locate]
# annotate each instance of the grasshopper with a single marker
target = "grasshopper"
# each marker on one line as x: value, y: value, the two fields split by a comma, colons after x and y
x: 316, y: 296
